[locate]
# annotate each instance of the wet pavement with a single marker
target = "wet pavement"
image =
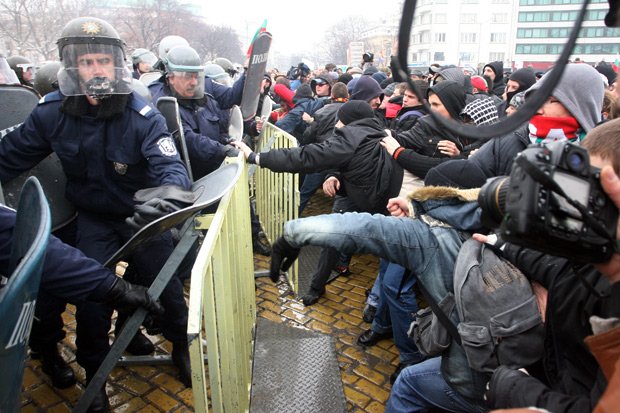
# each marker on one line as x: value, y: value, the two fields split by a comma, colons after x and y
x: 364, y: 372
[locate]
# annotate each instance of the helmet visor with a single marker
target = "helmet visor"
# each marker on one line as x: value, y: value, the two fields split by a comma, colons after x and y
x: 95, y: 70
x: 186, y: 84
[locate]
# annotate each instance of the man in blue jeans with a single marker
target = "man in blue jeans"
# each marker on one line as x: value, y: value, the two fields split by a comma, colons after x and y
x: 428, y: 245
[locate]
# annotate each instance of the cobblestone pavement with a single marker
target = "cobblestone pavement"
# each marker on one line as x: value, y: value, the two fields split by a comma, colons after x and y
x: 365, y: 372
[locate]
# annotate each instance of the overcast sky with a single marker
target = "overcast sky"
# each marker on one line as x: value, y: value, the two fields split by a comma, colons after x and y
x: 295, y: 26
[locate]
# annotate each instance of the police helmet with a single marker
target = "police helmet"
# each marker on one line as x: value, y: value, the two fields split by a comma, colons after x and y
x: 227, y: 65
x: 217, y: 73
x: 168, y: 43
x: 143, y: 56
x: 184, y: 73
x: 103, y: 72
x: 46, y: 78
x: 20, y: 65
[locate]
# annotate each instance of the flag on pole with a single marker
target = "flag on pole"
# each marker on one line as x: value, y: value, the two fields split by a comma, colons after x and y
x: 616, y: 64
x: 261, y: 29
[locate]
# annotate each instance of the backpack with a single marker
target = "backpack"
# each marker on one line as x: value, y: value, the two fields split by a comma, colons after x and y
x: 500, y: 323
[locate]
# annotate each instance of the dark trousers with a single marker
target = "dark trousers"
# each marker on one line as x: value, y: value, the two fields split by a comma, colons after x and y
x: 99, y: 238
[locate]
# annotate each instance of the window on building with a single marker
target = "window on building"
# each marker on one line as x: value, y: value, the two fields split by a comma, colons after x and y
x: 440, y: 18
x: 496, y: 56
x: 498, y: 38
x: 440, y: 37
x: 439, y: 56
x: 499, y: 18
x: 425, y: 37
x: 468, y: 18
x: 468, y: 37
x: 465, y: 57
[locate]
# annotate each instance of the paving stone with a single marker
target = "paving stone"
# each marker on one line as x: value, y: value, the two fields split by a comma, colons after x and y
x: 358, y: 399
x: 372, y: 390
x: 44, y: 396
x: 162, y: 400
x: 59, y: 408
x: 369, y: 374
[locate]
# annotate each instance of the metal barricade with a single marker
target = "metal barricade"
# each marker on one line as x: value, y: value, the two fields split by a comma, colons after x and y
x: 222, y: 305
x: 277, y: 194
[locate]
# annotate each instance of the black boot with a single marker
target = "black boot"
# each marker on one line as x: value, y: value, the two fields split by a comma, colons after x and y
x: 139, y: 345
x: 283, y: 255
x: 100, y: 403
x: 180, y: 358
x: 312, y: 296
x: 56, y: 367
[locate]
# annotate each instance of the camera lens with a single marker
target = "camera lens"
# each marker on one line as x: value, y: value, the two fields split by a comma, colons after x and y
x: 575, y: 161
x: 492, y: 201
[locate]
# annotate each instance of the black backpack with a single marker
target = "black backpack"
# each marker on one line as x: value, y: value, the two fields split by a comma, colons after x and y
x: 500, y: 323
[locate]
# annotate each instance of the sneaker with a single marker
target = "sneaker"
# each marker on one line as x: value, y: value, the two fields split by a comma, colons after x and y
x: 369, y: 313
x: 342, y: 270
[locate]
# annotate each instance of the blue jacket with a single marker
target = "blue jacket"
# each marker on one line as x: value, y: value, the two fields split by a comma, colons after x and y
x: 205, y: 122
x: 106, y: 160
x: 293, y: 122
x: 67, y: 273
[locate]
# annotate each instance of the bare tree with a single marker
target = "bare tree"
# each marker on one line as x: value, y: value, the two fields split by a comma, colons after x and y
x: 31, y: 27
x: 217, y: 41
x: 338, y: 37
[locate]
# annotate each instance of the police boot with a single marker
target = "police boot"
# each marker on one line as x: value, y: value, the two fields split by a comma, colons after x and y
x: 180, y: 358
x: 100, y: 403
x: 56, y: 367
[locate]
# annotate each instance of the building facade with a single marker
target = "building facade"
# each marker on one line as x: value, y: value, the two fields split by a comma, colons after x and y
x: 543, y: 27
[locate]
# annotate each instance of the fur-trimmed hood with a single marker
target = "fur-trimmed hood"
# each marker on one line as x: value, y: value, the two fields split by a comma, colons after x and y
x: 456, y: 208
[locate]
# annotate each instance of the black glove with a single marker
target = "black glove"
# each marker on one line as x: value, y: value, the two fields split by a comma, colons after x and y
x: 157, y: 202
x: 501, y: 386
x: 127, y: 296
x: 231, y: 151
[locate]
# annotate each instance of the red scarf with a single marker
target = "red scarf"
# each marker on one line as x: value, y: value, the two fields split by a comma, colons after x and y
x: 547, y: 129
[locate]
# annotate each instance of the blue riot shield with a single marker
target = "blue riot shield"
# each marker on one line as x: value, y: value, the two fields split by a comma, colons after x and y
x: 18, y: 296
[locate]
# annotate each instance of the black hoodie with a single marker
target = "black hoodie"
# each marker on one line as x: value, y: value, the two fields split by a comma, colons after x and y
x: 452, y: 96
x: 498, y: 83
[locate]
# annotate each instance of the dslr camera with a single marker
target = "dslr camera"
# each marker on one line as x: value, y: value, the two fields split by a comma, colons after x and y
x: 553, y: 202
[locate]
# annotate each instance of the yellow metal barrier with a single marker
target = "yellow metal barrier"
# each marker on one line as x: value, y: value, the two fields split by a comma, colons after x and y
x: 277, y: 194
x: 222, y: 305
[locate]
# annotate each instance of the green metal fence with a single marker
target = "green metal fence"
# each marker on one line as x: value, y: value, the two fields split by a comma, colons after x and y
x: 277, y: 194
x: 222, y: 305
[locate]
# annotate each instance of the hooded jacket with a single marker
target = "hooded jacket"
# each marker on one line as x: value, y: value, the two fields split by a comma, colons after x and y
x: 293, y: 122
x: 498, y: 83
x: 365, y: 89
x: 354, y: 150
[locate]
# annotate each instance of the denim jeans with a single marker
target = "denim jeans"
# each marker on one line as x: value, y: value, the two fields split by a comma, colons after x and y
x: 421, y: 387
x: 429, y: 251
x: 397, y: 305
x: 375, y: 291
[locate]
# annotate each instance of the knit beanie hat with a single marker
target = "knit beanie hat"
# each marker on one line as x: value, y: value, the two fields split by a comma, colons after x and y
x: 606, y: 70
x: 379, y: 77
x: 480, y: 111
x: 479, y: 83
x: 581, y: 92
x: 453, y: 73
x: 366, y: 88
x: 517, y: 100
x: 389, y: 90
x: 285, y: 94
x: 354, y: 110
x: 303, y: 91
x: 452, y: 96
x: 524, y: 77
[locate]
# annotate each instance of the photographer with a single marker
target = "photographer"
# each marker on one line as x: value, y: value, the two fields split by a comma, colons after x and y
x: 572, y: 381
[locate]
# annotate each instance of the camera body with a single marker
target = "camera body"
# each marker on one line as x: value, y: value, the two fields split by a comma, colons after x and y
x: 529, y: 213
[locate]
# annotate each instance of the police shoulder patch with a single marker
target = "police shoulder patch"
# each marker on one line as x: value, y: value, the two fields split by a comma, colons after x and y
x: 166, y: 146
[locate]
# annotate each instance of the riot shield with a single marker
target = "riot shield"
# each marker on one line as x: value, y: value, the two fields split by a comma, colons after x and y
x: 266, y: 109
x: 149, y: 77
x: 18, y: 297
x: 16, y: 103
x: 254, y: 74
x: 169, y: 108
x: 235, y: 127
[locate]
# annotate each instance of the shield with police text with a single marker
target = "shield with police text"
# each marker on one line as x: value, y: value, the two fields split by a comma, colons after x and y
x: 254, y: 74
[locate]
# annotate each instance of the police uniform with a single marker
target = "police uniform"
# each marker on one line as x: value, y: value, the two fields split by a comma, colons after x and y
x: 106, y: 161
x: 205, y: 122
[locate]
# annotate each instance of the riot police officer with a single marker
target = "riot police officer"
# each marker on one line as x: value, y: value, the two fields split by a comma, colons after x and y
x: 202, y: 105
x: 111, y: 143
x: 143, y: 61
x: 23, y: 68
